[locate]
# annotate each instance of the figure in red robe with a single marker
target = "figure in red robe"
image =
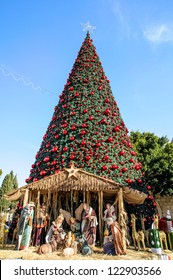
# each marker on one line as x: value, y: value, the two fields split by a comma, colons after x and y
x: 114, y: 246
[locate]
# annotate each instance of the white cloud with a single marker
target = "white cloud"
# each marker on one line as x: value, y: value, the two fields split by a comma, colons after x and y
x: 159, y: 34
x: 121, y: 14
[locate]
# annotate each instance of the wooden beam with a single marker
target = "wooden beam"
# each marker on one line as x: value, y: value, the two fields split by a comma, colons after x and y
x: 100, y: 220
x: 25, y: 200
x: 122, y: 217
x: 83, y: 196
x: 71, y: 202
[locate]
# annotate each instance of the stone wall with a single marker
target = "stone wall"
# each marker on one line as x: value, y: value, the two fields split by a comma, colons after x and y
x: 164, y: 203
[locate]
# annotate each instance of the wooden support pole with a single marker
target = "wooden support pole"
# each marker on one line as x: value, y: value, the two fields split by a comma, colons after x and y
x: 55, y: 205
x: 37, y: 204
x: 100, y: 210
x: 48, y: 200
x: 84, y: 196
x: 29, y: 196
x: 88, y: 197
x: 71, y: 202
x: 25, y: 200
x: 122, y: 217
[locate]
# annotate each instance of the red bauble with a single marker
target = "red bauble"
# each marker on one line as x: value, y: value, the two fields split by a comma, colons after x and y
x: 46, y: 159
x: 84, y: 125
x: 54, y: 149
x: 83, y: 132
x: 121, y: 153
x: 65, y: 149
x: 104, y: 167
x: 107, y: 112
x: 65, y: 132
x: 87, y: 157
x: 72, y: 156
x: 43, y: 172
x: 70, y: 88
x: 103, y: 121
x: 72, y: 138
x: 114, y: 166
x: 106, y: 158
x: 116, y: 129
x: 107, y: 100
x: 137, y: 167
x: 98, y: 144
x: 124, y: 169
x: 110, y: 139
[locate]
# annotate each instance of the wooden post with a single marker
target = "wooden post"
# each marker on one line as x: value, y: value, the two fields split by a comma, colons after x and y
x: 48, y: 198
x: 71, y: 202
x: 25, y: 200
x: 100, y: 208
x: 88, y: 197
x: 29, y: 196
x: 84, y: 196
x: 55, y: 194
x: 122, y: 217
x: 38, y: 203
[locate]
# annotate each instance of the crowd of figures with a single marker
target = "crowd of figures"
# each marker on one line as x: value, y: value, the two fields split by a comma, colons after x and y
x: 36, y: 229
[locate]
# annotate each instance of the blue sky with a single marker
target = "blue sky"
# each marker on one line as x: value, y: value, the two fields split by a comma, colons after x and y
x: 39, y: 42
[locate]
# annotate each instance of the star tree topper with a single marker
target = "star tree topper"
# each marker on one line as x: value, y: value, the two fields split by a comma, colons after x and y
x: 72, y: 171
x: 88, y: 27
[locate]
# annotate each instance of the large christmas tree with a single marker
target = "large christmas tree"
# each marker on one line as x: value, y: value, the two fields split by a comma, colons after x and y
x: 88, y: 130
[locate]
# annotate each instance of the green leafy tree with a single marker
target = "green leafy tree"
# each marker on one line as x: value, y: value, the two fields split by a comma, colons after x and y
x: 8, y: 184
x: 87, y: 129
x: 156, y: 155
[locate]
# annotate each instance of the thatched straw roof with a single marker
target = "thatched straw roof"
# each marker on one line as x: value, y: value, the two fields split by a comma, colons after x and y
x: 78, y: 179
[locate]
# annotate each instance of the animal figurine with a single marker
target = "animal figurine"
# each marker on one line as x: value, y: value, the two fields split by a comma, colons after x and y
x: 146, y: 232
x: 162, y: 234
x: 47, y: 248
x: 85, y: 248
x: 137, y: 236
